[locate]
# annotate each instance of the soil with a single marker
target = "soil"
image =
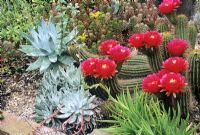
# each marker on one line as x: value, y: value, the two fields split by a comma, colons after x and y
x: 22, y: 94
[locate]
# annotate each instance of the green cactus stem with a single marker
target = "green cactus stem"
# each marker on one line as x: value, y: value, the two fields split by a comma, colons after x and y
x: 130, y: 83
x: 167, y: 36
x: 181, y: 29
x: 80, y: 53
x: 134, y: 71
x: 194, y: 73
x: 111, y: 83
x: 192, y: 35
x: 136, y: 60
x: 162, y: 27
x: 181, y: 99
x: 154, y: 57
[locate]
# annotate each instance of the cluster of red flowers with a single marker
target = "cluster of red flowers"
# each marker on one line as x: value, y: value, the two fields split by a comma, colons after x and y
x: 114, y: 50
x: 168, y: 79
x: 104, y: 68
x: 148, y: 39
x: 168, y: 6
x: 177, y: 47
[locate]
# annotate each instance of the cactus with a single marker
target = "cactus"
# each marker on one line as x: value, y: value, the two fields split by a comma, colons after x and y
x: 134, y: 71
x: 162, y: 27
x: 167, y: 36
x: 194, y: 73
x: 139, y: 59
x: 80, y: 53
x: 154, y: 57
x: 130, y: 83
x: 181, y: 29
x: 183, y: 99
x: 192, y: 35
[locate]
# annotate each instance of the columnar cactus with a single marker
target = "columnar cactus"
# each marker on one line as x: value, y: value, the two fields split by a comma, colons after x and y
x: 167, y: 36
x: 192, y: 34
x: 194, y: 73
x: 181, y: 29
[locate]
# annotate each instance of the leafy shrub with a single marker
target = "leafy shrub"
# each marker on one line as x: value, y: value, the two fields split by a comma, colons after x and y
x: 18, y: 16
x: 142, y: 115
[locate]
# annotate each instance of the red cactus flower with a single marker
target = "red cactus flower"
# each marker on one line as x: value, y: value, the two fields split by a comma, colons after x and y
x: 176, y: 64
x: 107, y: 45
x: 137, y: 40
x: 172, y: 83
x: 119, y: 53
x: 166, y: 7
x: 162, y: 72
x: 153, y: 38
x: 88, y: 67
x: 151, y: 83
x: 105, y: 68
x: 175, y: 2
x: 177, y: 47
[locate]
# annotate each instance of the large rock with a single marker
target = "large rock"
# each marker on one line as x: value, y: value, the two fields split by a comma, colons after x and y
x: 13, y: 125
x: 99, y: 132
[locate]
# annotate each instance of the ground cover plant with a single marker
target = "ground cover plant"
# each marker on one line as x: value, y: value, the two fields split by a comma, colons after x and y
x: 139, y: 58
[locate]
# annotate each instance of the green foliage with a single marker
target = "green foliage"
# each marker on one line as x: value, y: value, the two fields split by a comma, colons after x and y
x: 63, y: 91
x: 18, y: 16
x: 49, y: 44
x: 143, y: 115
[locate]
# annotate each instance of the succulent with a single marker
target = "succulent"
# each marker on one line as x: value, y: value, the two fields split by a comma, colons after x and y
x: 48, y: 43
x: 197, y: 20
x: 194, y: 73
x: 65, y: 95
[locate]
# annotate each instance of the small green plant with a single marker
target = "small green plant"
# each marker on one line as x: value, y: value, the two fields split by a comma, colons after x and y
x: 49, y: 43
x: 143, y: 115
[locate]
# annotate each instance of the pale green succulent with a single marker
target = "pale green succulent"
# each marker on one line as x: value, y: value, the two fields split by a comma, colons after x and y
x: 48, y: 43
x: 63, y: 91
x: 196, y: 19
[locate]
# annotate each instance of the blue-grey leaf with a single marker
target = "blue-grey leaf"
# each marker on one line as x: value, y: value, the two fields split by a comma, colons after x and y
x: 35, y: 65
x: 31, y: 51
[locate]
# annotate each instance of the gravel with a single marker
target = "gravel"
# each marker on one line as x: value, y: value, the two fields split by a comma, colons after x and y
x: 21, y: 92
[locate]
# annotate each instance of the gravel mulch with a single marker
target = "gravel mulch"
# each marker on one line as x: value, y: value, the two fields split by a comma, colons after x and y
x: 21, y: 91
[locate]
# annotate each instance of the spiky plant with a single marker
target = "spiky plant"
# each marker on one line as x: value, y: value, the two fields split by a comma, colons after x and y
x: 142, y: 114
x: 63, y: 104
x: 48, y: 44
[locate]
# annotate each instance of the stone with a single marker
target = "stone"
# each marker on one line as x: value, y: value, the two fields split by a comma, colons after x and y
x: 12, y: 125
x: 99, y: 132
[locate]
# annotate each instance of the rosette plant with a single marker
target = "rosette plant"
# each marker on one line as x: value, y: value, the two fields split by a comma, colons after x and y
x: 48, y: 44
x: 64, y: 103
